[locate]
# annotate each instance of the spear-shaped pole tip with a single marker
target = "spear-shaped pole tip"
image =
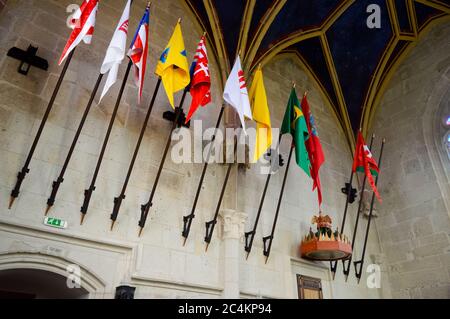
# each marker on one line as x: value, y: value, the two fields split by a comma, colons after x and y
x: 384, y: 140
x: 334, y: 275
x: 140, y: 232
x: 248, y: 254
x: 204, y: 33
x: 373, y: 135
x: 259, y: 66
x: 184, y: 241
x: 112, y: 225
x: 306, y: 94
x: 179, y: 20
x: 294, y: 84
x: 149, y: 4
x: 207, y: 246
x: 267, y: 259
x: 47, y: 210
x: 11, y: 202
x: 82, y: 218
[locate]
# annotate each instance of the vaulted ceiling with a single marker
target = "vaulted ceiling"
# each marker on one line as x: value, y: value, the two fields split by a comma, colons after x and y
x: 350, y: 62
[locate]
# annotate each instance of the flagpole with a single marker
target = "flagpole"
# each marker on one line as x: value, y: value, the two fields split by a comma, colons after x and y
x: 250, y: 236
x: 333, y: 264
x: 118, y: 200
x: 57, y: 183
x: 360, y: 262
x: 212, y: 224
x: 269, y: 239
x: 361, y: 199
x: 145, y: 208
x: 25, y: 170
x: 88, y: 192
x: 187, y: 220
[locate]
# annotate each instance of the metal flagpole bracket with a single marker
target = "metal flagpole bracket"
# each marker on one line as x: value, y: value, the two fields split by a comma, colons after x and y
x: 117, y: 203
x: 144, y: 212
x: 358, y: 272
x: 55, y: 187
x: 249, y: 236
x: 210, y: 230
x: 350, y: 192
x: 28, y: 59
x: 187, y: 220
x: 267, y: 241
x: 172, y: 116
x: 87, y: 198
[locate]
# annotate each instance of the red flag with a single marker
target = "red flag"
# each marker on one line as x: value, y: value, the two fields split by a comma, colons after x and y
x: 201, y: 80
x: 84, y: 20
x: 364, y: 162
x: 314, y: 147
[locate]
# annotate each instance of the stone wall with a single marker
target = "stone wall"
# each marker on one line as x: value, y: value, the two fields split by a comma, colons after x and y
x: 414, y: 219
x: 157, y: 263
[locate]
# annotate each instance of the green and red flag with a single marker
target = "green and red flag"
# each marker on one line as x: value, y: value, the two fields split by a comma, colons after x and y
x: 294, y: 123
x: 314, y: 147
x: 365, y: 163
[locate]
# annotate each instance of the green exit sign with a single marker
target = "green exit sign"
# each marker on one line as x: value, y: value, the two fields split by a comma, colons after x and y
x: 55, y: 222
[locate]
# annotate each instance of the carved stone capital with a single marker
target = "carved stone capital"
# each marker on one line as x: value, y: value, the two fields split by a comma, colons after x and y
x: 233, y: 223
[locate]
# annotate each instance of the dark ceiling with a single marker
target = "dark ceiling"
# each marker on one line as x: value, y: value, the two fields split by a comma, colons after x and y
x: 349, y: 61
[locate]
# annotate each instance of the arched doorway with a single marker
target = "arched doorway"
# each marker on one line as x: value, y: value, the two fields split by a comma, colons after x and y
x: 36, y: 275
x: 37, y: 284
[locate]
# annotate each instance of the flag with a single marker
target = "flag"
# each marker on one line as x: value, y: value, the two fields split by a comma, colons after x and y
x: 294, y: 123
x: 364, y: 162
x: 116, y: 50
x: 261, y: 115
x: 314, y: 147
x: 236, y: 93
x: 83, y: 30
x: 200, y: 87
x: 139, y: 51
x: 173, y: 66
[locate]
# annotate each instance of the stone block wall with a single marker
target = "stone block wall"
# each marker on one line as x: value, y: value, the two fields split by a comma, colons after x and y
x: 414, y: 219
x: 157, y: 263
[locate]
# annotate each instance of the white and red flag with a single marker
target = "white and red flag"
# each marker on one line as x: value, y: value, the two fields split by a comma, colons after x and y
x: 84, y: 23
x: 364, y: 162
x: 139, y: 51
x: 236, y: 93
x: 201, y: 80
x: 116, y: 50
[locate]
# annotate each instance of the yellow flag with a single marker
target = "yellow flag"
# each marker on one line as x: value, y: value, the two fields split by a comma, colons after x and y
x: 173, y: 65
x: 261, y: 115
